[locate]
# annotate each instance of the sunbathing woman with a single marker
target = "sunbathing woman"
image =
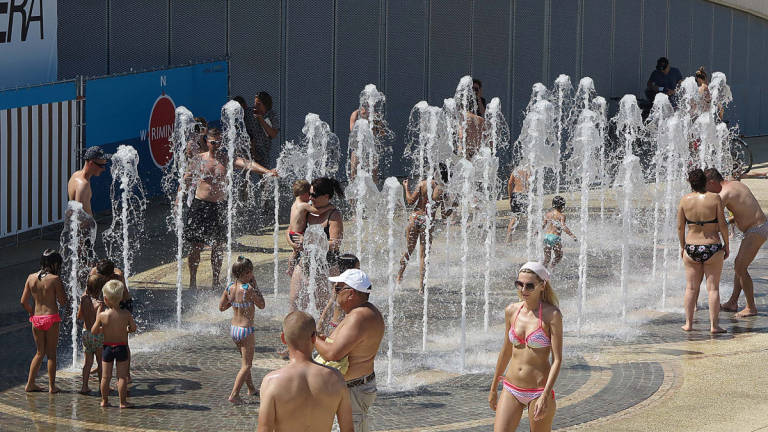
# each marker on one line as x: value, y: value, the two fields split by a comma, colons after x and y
x: 534, y: 331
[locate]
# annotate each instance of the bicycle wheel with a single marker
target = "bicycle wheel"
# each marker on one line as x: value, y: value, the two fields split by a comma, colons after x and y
x: 741, y: 156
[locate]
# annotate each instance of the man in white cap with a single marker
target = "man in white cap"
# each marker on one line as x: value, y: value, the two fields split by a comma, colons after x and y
x: 355, y: 341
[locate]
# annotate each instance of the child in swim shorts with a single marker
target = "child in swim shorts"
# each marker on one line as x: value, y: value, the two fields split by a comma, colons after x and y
x: 114, y: 324
x: 298, y: 221
x: 90, y: 306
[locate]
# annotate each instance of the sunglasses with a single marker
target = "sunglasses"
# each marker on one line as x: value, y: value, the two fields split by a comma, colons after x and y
x: 340, y: 288
x: 315, y: 195
x: 214, y: 142
x: 529, y: 286
x: 101, y: 165
x: 476, y: 89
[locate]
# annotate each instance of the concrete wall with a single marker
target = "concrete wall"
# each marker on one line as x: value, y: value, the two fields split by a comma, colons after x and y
x: 316, y: 56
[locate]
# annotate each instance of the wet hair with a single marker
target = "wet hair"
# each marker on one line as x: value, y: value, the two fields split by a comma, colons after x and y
x: 113, y: 291
x: 298, y: 327
x: 701, y: 74
x: 242, y: 266
x: 329, y: 186
x: 50, y: 261
x: 348, y: 261
x: 548, y: 294
x: 241, y: 101
x: 558, y: 202
x: 478, y: 82
x: 300, y: 187
x: 214, y: 132
x: 265, y: 98
x: 95, y: 284
x: 202, y: 121
x: 713, y: 174
x: 698, y: 180
x: 105, y: 267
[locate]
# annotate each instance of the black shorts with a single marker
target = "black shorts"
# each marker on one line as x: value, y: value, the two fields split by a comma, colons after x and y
x: 114, y: 352
x: 206, y: 222
x: 518, y: 202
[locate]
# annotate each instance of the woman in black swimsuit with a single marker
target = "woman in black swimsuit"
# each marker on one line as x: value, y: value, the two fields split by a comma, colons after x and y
x: 703, y: 247
x: 321, y: 192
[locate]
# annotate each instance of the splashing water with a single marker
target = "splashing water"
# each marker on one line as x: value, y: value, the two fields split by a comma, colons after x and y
x: 77, y: 238
x: 131, y: 206
x: 236, y: 142
x: 184, y: 136
x: 655, y: 125
x: 561, y: 99
x: 394, y: 194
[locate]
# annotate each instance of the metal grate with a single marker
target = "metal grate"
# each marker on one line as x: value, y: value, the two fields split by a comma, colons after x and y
x: 450, y: 47
x: 138, y: 35
x: 526, y: 57
x: 405, y: 68
x: 596, y: 44
x: 255, y: 51
x: 357, y: 57
x: 198, y: 30
x: 563, y: 46
x: 701, y: 47
x: 490, y: 40
x: 721, y: 45
x: 626, y: 50
x: 308, y: 63
x: 680, y: 36
x: 82, y: 38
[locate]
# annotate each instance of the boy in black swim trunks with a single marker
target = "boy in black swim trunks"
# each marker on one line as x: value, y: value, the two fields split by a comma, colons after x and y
x: 115, y: 323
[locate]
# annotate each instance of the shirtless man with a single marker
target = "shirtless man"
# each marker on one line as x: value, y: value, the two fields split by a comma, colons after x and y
x: 517, y: 188
x: 751, y: 220
x: 355, y: 342
x: 207, y: 218
x: 79, y: 186
x: 417, y: 224
x: 45, y: 288
x: 474, y: 132
x: 304, y: 395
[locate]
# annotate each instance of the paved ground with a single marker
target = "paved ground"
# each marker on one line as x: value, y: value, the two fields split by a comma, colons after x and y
x: 637, y: 374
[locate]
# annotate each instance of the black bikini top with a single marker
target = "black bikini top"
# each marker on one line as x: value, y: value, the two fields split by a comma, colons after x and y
x: 690, y: 222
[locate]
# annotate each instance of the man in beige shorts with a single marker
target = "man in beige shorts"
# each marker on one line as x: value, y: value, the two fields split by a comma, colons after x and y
x: 751, y: 220
x: 304, y: 395
x: 355, y: 342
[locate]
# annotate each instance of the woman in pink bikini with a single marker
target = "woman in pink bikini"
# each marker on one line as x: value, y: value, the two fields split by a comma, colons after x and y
x: 45, y: 288
x: 534, y: 331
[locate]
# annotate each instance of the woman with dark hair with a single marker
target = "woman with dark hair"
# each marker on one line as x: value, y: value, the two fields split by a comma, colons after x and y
x: 45, y: 289
x: 703, y: 248
x: 533, y: 333
x: 321, y: 192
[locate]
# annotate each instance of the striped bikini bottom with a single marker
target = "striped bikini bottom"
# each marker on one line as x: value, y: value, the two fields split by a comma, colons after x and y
x: 240, y: 333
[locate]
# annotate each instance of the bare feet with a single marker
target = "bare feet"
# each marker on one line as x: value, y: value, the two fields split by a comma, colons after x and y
x: 53, y: 390
x: 687, y: 327
x: 746, y: 312
x: 104, y: 404
x: 84, y: 391
x: 727, y: 307
x: 237, y: 400
x: 717, y: 330
x: 399, y: 278
x: 33, y: 388
x: 94, y: 371
x: 254, y: 392
x: 126, y: 405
